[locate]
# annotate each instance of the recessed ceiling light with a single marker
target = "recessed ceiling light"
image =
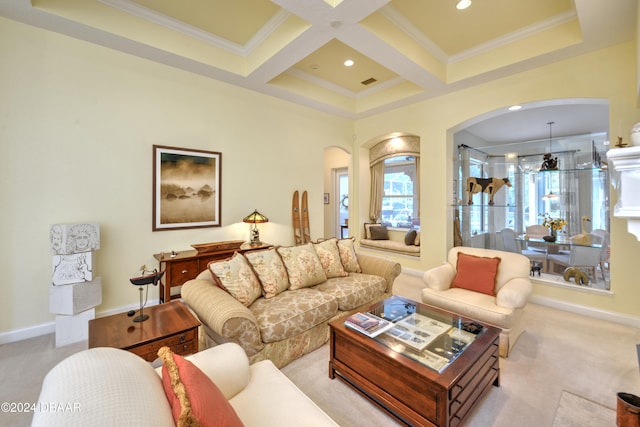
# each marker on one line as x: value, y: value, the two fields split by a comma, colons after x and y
x: 515, y: 107
x: 348, y: 63
x: 463, y: 4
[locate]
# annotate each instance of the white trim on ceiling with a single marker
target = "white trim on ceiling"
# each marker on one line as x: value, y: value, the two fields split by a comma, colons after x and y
x: 151, y: 15
x: 515, y: 36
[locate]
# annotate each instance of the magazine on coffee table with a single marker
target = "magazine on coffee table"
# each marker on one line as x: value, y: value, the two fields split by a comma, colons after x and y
x: 367, y: 324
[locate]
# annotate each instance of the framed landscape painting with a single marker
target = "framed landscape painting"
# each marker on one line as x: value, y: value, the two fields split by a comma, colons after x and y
x: 186, y: 188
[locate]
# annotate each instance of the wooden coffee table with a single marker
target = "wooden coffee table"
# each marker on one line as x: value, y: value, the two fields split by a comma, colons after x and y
x: 171, y: 325
x: 400, y: 381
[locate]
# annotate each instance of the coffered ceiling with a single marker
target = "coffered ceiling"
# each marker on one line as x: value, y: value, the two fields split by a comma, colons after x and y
x: 403, y: 50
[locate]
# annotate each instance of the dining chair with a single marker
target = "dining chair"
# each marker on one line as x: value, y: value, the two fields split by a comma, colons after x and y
x: 537, y: 231
x: 510, y: 244
x: 605, y: 241
x: 581, y: 257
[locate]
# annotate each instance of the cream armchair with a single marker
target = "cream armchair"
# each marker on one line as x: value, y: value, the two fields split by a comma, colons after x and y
x: 504, y: 310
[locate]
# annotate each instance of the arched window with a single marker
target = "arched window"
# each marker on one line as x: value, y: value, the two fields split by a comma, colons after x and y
x: 395, y: 195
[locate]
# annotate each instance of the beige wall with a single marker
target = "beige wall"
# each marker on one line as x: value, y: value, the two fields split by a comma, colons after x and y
x: 77, y: 125
x: 608, y: 74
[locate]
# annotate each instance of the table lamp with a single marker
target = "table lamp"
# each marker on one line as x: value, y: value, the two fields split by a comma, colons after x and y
x: 254, y: 218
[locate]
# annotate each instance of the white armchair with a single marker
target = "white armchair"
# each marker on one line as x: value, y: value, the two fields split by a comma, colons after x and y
x: 504, y: 310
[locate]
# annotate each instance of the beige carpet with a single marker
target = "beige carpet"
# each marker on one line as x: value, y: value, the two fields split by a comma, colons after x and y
x: 342, y: 403
x: 576, y: 411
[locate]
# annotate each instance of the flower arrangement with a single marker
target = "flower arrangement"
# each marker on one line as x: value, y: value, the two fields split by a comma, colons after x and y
x: 553, y: 224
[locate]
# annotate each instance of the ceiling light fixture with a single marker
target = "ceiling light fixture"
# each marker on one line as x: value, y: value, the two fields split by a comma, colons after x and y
x: 348, y: 63
x: 463, y: 4
x: 548, y: 161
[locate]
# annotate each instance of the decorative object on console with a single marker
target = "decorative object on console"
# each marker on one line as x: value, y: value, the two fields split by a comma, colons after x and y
x: 145, y: 280
x: 554, y: 225
x: 186, y: 188
x: 486, y: 185
x: 583, y: 238
x: 548, y: 161
x: 580, y: 277
x: 255, y: 218
x: 204, y: 248
x: 74, y: 292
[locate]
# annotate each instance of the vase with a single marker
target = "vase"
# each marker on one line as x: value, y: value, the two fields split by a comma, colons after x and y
x: 551, y: 237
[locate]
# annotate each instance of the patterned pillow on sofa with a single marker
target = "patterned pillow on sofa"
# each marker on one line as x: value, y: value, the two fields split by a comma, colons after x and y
x: 236, y: 277
x: 270, y: 270
x: 303, y: 266
x: 348, y: 255
x: 329, y: 256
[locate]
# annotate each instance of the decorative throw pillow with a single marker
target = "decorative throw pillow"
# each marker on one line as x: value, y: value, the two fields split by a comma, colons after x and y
x: 348, y: 255
x: 303, y: 266
x: 476, y: 273
x: 410, y: 237
x: 329, y: 256
x: 379, y: 232
x: 236, y: 277
x: 270, y: 270
x: 194, y: 399
x: 367, y: 229
x: 417, y: 241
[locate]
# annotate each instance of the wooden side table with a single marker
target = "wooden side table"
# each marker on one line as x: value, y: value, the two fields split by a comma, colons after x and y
x: 171, y: 325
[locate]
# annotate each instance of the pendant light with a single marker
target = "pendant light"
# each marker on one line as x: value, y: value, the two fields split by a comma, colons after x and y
x: 549, y: 163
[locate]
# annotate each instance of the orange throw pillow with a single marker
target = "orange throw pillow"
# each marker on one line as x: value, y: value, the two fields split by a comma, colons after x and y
x: 476, y: 273
x: 195, y: 400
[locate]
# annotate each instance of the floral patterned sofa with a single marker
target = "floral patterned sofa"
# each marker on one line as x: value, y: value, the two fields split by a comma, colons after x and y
x: 276, y: 303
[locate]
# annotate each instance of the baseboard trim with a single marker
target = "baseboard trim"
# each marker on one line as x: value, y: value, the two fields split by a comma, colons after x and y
x: 596, y: 313
x: 412, y: 272
x: 26, y: 333
x: 50, y: 327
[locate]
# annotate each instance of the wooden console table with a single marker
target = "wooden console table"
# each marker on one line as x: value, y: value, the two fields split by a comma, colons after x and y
x: 186, y: 265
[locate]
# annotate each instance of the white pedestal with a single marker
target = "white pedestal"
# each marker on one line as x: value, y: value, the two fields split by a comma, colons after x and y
x: 74, y: 328
x: 76, y: 297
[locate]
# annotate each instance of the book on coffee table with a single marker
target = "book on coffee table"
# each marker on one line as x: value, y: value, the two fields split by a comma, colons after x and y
x: 367, y: 324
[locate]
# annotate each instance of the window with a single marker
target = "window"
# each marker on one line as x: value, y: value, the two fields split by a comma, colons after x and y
x: 400, y: 201
x: 395, y: 176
